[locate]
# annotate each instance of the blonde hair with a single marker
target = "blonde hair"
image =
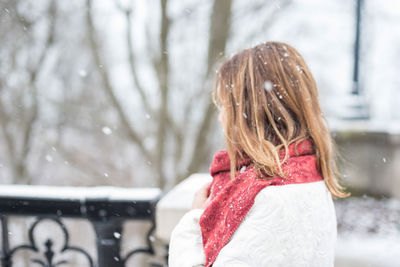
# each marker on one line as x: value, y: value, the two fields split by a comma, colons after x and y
x: 270, y: 101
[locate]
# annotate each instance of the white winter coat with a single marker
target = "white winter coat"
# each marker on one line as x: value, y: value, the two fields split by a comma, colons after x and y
x: 289, y: 225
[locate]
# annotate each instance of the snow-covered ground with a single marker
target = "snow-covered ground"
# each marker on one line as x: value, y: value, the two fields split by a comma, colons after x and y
x: 368, y: 232
x: 361, y: 251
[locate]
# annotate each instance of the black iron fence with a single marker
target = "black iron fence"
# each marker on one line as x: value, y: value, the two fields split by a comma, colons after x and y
x: 105, y: 208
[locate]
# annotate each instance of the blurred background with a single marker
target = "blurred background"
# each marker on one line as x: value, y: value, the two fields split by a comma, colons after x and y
x: 118, y: 92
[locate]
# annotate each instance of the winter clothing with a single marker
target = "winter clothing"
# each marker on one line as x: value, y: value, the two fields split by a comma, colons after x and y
x: 260, y: 221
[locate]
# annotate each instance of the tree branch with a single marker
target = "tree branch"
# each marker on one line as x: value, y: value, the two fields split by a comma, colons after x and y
x: 27, y: 134
x: 162, y: 70
x: 128, y: 37
x: 109, y: 89
x: 7, y: 136
x: 219, y: 35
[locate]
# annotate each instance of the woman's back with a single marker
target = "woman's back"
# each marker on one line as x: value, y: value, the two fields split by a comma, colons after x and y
x: 289, y: 225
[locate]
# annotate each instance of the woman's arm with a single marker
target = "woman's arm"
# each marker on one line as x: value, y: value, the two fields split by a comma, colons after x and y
x: 186, y: 246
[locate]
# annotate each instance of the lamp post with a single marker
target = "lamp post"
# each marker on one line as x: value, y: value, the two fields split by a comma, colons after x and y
x: 357, y: 106
x: 356, y: 85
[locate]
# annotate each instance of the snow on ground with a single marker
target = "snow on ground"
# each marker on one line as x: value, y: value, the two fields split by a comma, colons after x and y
x: 362, y: 251
x: 368, y: 232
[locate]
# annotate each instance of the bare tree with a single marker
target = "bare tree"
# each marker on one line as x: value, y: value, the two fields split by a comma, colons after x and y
x: 19, y: 145
x: 166, y: 124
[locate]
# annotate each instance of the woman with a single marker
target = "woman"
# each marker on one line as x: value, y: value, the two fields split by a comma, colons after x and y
x: 270, y: 201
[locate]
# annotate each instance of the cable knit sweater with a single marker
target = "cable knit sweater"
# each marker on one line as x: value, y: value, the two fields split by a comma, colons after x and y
x: 253, y: 222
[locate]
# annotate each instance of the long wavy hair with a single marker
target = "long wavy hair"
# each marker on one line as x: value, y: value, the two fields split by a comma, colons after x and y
x: 269, y: 100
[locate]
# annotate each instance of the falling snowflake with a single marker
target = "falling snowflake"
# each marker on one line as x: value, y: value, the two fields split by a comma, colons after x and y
x: 49, y: 158
x: 243, y: 169
x: 268, y: 85
x: 117, y: 235
x: 106, y: 130
x: 82, y: 73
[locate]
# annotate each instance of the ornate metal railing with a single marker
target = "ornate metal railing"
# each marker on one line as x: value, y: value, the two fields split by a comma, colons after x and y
x: 107, y: 208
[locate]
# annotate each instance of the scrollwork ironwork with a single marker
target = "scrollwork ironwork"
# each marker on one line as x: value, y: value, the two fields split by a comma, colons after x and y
x: 147, y: 250
x: 47, y: 259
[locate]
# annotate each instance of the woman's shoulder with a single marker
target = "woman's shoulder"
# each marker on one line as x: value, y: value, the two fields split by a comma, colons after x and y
x: 309, y: 190
x: 283, y: 221
x: 301, y: 202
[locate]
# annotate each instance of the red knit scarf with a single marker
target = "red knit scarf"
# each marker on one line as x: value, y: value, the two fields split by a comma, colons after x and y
x: 231, y: 199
